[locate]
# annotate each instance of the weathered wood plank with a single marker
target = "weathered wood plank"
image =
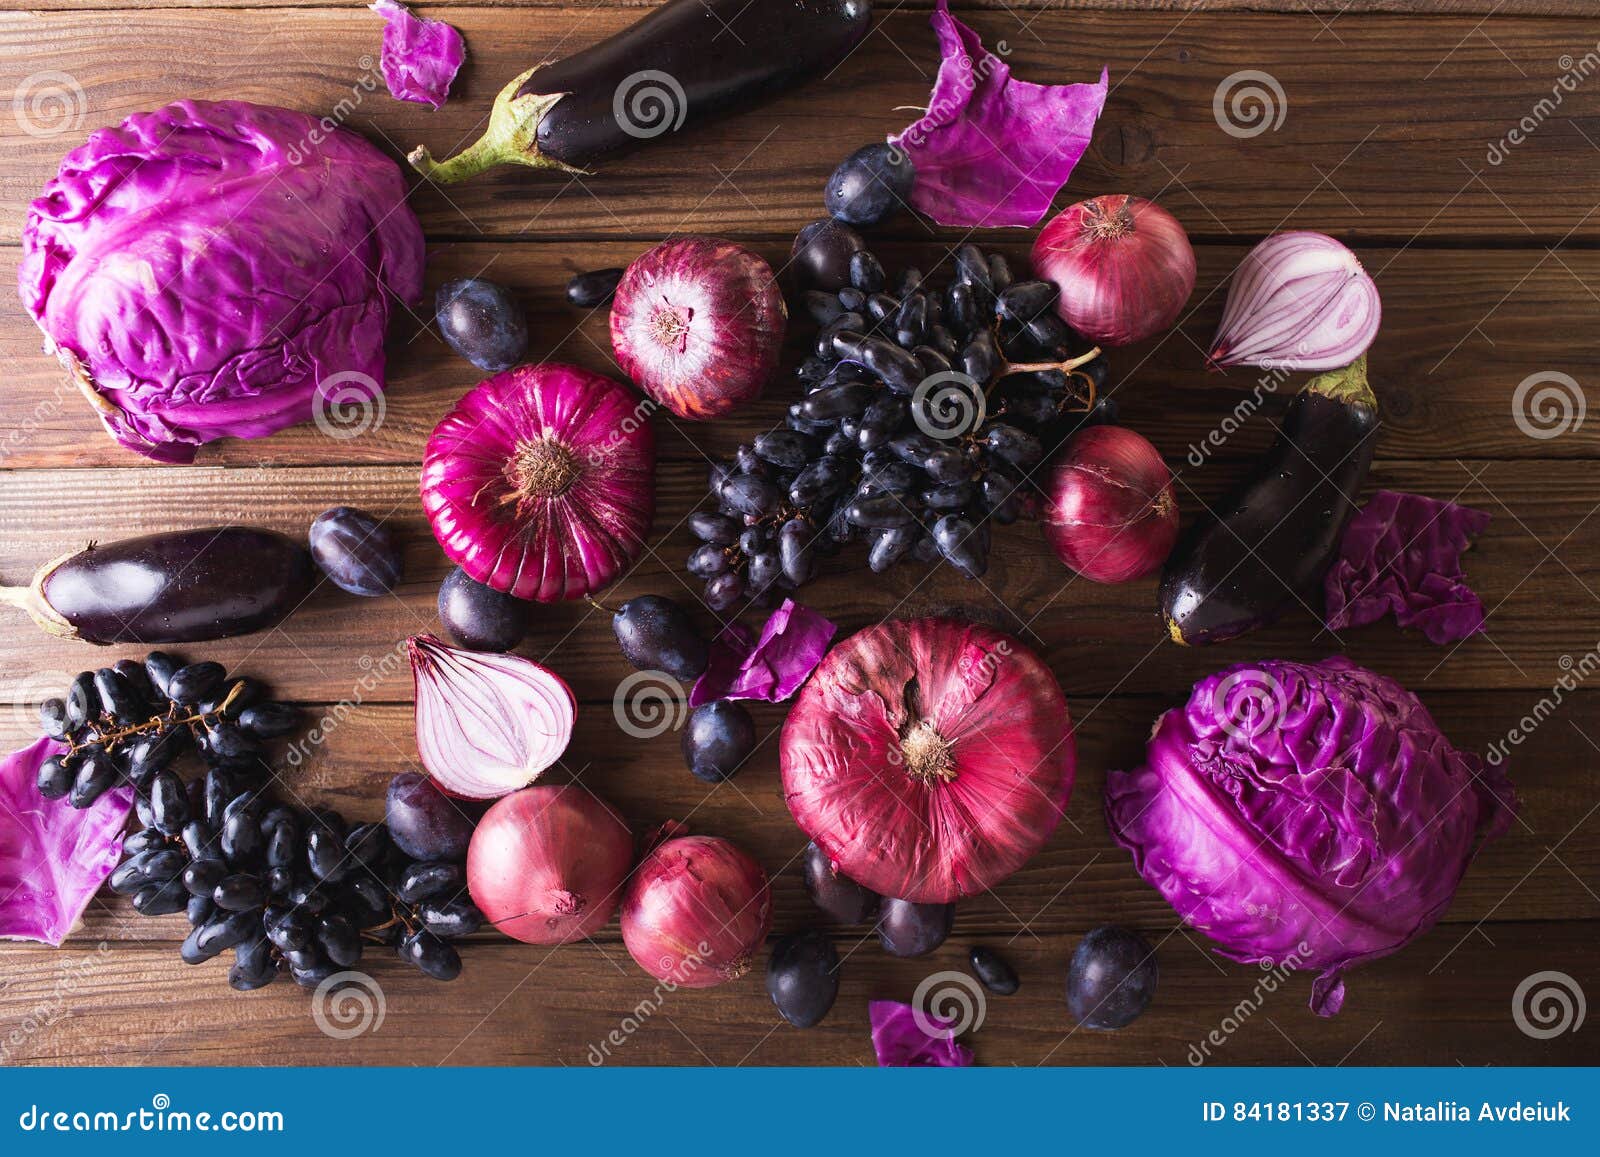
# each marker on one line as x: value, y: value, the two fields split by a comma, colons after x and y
x: 1100, y: 639
x: 1504, y: 9
x: 1400, y: 153
x: 1081, y: 878
x: 1447, y: 1000
x: 1461, y: 330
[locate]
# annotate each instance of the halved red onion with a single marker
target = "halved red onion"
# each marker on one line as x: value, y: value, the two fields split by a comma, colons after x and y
x: 487, y: 724
x: 1299, y: 301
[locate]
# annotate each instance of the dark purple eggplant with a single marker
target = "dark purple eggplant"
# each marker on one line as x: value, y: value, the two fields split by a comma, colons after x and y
x: 680, y: 66
x: 1271, y: 542
x: 181, y: 587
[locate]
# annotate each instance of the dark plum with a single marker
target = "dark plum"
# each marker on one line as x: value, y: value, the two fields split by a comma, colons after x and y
x: 869, y: 185
x: 482, y: 322
x: 991, y: 968
x: 594, y: 288
x: 717, y: 740
x: 356, y: 552
x: 1112, y: 977
x: 803, y: 976
x: 836, y: 896
x: 656, y: 634
x: 424, y: 823
x: 907, y: 929
x: 822, y: 253
x: 479, y: 617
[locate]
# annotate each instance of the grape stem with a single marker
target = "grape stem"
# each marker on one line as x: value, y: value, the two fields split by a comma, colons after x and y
x: 109, y: 739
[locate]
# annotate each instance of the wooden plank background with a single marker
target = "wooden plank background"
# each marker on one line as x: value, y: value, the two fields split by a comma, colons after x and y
x: 1489, y: 274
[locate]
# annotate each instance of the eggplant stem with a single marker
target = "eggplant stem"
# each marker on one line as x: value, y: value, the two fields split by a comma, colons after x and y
x: 19, y: 597
x: 511, y: 138
x: 598, y: 605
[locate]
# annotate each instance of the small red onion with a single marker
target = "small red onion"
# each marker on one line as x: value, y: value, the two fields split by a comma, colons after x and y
x: 1299, y: 301
x: 696, y: 911
x: 1123, y: 266
x: 487, y: 723
x: 697, y: 324
x: 541, y: 482
x: 546, y: 864
x: 1111, y: 514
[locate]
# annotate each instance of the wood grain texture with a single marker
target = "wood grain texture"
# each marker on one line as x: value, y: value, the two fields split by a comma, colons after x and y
x: 1324, y: 8
x: 1399, y: 154
x: 1461, y: 330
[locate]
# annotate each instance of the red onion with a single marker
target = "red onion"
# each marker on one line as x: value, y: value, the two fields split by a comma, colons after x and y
x: 1123, y: 266
x: 486, y: 723
x: 1299, y: 301
x: 929, y: 759
x: 696, y: 911
x: 697, y: 324
x: 540, y: 483
x: 1111, y: 514
x: 546, y: 864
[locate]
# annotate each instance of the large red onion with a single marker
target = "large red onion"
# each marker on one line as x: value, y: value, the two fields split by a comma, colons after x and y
x: 546, y: 864
x: 1110, y: 511
x: 1123, y: 265
x: 696, y: 911
x: 541, y: 483
x: 697, y: 324
x: 930, y: 759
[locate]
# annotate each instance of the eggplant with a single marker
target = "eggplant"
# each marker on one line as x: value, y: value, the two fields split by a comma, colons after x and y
x: 179, y: 587
x: 682, y: 65
x: 1272, y: 541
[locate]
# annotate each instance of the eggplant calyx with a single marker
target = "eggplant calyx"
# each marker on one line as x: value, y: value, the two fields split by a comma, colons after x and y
x: 511, y: 138
x: 32, y: 599
x: 1347, y: 385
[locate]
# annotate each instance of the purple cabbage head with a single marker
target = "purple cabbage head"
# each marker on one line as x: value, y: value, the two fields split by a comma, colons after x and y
x: 1310, y: 815
x: 219, y: 269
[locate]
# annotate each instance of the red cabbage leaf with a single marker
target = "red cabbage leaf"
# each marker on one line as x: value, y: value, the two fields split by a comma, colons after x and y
x: 992, y: 150
x: 1401, y: 553
x: 901, y: 1038
x: 791, y: 645
x: 420, y: 57
x: 53, y: 857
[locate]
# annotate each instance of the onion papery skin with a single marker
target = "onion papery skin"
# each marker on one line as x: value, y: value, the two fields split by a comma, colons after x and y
x: 1123, y: 266
x: 1298, y: 301
x: 541, y: 482
x: 929, y: 758
x: 696, y: 911
x: 547, y: 865
x: 698, y: 324
x: 1111, y: 514
x: 486, y: 723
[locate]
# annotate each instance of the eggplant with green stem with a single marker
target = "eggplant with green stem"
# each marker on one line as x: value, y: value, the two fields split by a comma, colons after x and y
x: 1269, y: 545
x: 681, y: 65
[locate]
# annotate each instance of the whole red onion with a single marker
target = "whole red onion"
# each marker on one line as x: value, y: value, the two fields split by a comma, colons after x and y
x: 1123, y: 266
x: 930, y: 759
x: 546, y: 865
x: 696, y: 911
x: 541, y: 482
x: 1110, y: 511
x: 697, y: 324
